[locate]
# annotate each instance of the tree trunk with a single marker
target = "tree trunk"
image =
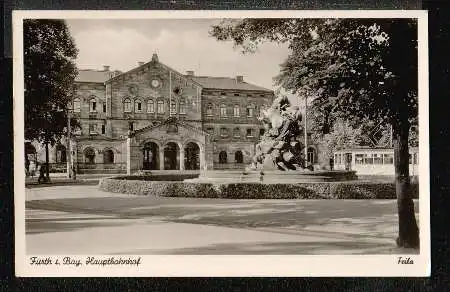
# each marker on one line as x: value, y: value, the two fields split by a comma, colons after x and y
x: 408, y: 232
x: 47, y: 168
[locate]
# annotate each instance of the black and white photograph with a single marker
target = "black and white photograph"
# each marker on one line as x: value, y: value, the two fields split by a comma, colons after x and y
x: 257, y: 143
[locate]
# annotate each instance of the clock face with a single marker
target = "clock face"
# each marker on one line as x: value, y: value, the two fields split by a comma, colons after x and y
x: 155, y: 83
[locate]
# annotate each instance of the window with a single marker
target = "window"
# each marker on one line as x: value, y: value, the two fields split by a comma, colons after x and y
x: 173, y: 107
x: 93, y: 105
x: 236, y: 111
x: 223, y: 132
x: 359, y: 158
x: 250, y: 111
x: 236, y: 132
x: 223, y: 110
x: 377, y: 159
x: 236, y: 94
x: 210, y: 130
x: 150, y: 106
x: 103, y: 129
x: 127, y: 105
x: 137, y: 105
x: 182, y: 107
x: 261, y: 132
x: 104, y: 107
x: 209, y: 110
x: 311, y: 155
x: 238, y: 157
x: 76, y: 105
x: 60, y: 154
x: 388, y: 158
x: 131, y: 126
x: 92, y: 129
x: 160, y: 106
x: 223, y: 94
x: 368, y: 158
x: 249, y: 132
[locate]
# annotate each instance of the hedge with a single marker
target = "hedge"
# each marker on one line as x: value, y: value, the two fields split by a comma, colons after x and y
x: 331, y: 190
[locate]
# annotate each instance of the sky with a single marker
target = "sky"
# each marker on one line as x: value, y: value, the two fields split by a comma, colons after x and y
x: 182, y: 44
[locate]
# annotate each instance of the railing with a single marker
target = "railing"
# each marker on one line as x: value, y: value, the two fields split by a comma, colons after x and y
x: 230, y: 165
x: 101, y: 165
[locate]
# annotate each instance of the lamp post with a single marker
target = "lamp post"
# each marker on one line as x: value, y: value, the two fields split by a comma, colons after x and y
x: 306, y: 131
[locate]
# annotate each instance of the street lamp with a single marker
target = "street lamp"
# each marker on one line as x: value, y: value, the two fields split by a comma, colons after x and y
x: 69, y: 147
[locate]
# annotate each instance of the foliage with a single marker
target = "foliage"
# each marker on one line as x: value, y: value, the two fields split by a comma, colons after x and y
x: 353, y: 69
x: 342, y: 136
x: 49, y: 72
x: 176, y: 188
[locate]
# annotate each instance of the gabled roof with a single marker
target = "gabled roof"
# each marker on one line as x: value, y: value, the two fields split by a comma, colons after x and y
x: 93, y: 76
x: 226, y: 83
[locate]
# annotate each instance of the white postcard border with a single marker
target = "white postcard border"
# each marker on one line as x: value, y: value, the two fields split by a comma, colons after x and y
x: 227, y: 265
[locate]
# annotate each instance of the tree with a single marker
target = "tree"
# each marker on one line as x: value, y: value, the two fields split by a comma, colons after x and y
x: 356, y: 69
x: 49, y: 72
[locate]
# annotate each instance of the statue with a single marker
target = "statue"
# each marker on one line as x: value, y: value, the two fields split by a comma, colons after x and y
x: 279, y: 148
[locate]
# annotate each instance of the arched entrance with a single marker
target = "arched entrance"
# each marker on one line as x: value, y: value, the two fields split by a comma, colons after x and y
x: 89, y: 155
x: 61, y: 154
x: 151, y: 156
x: 171, y: 152
x: 222, y: 157
x: 238, y: 157
x: 192, y: 156
x: 108, y: 156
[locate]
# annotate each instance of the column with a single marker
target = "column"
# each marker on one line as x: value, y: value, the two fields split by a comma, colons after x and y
x: 129, y: 155
x: 181, y: 158
x: 203, y: 165
x: 161, y: 158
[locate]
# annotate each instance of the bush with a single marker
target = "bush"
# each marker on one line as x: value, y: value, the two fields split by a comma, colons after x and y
x: 334, y: 190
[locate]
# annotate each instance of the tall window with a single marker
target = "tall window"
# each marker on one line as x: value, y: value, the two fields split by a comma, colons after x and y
x: 92, y: 105
x: 236, y: 110
x: 311, y: 155
x: 92, y: 129
x: 182, y: 107
x: 236, y: 132
x: 222, y: 157
x: 160, y: 106
x: 103, y: 129
x: 138, y: 105
x: 238, y: 157
x: 104, y: 107
x: 223, y: 110
x: 173, y: 107
x: 76, y: 105
x: 108, y: 156
x: 249, y: 111
x: 150, y: 106
x: 249, y: 132
x: 127, y: 105
x: 209, y: 110
x: 223, y: 132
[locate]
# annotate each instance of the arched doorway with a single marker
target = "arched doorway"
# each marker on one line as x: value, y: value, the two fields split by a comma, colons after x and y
x: 192, y: 156
x: 108, y: 156
x: 151, y: 156
x: 238, y: 157
x: 171, y: 152
x: 222, y: 157
x: 61, y: 154
x: 89, y: 155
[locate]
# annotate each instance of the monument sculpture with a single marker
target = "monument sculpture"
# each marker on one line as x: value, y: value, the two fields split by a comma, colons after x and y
x: 279, y: 148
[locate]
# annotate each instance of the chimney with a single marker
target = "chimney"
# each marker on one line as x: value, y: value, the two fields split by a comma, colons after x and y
x: 155, y: 58
x: 141, y: 63
x: 239, y: 78
x: 190, y: 73
x: 105, y: 68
